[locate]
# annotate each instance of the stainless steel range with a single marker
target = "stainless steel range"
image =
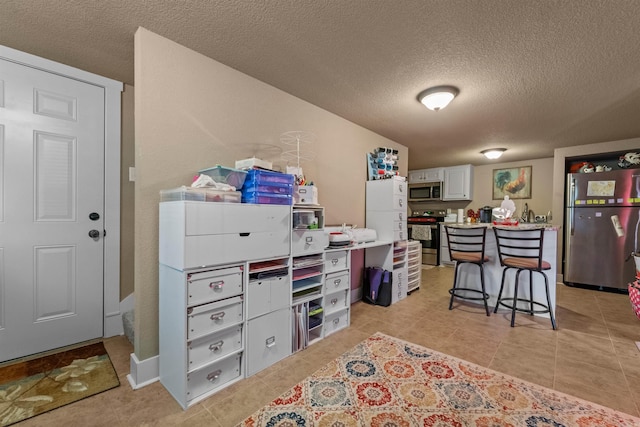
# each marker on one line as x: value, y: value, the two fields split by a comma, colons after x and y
x: 423, y: 226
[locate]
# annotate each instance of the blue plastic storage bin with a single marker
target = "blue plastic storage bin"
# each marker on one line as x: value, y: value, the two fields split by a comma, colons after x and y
x: 266, y: 198
x: 261, y: 177
x: 271, y: 188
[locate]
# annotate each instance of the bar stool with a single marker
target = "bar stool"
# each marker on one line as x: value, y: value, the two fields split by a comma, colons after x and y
x: 521, y: 249
x: 466, y: 246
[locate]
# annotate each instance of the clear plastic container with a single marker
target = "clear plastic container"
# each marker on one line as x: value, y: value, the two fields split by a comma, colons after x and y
x: 200, y: 195
x: 267, y: 198
x: 235, y: 177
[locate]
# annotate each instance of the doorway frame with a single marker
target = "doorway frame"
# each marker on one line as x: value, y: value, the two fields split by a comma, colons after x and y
x: 112, y: 322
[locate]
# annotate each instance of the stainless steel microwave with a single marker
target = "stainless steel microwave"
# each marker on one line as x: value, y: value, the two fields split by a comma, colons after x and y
x: 425, y: 192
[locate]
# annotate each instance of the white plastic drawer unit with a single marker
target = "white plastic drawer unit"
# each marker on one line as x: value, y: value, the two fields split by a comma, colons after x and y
x: 335, y: 261
x: 200, y: 234
x: 214, y: 285
x: 268, y: 340
x: 213, y: 376
x: 335, y: 302
x: 208, y: 318
x: 336, y: 282
x: 308, y: 242
x: 335, y: 322
x: 212, y: 347
x: 267, y: 295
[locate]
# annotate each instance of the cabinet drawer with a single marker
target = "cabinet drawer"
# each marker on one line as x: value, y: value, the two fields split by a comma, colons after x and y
x: 267, y: 295
x: 212, y: 347
x: 224, y: 248
x: 308, y: 242
x: 336, y: 281
x: 335, y: 261
x: 212, y: 317
x: 336, y: 321
x: 225, y: 218
x: 214, y: 285
x: 268, y: 340
x: 336, y: 302
x: 400, y: 235
x: 213, y: 376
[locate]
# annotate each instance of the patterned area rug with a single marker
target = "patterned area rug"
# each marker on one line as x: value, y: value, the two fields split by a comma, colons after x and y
x: 36, y: 386
x: 385, y: 381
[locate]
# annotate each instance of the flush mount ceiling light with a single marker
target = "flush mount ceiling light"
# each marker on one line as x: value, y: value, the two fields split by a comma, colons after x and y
x: 436, y: 98
x: 493, y: 153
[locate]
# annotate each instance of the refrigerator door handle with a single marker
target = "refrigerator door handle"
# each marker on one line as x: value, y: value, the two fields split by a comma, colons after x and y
x: 571, y: 202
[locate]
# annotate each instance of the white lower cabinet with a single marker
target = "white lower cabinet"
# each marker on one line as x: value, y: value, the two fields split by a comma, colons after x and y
x: 268, y: 340
x: 201, y: 344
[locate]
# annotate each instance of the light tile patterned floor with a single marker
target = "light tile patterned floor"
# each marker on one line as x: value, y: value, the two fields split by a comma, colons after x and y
x: 593, y: 356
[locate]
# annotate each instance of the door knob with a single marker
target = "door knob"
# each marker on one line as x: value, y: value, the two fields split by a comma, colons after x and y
x: 94, y: 234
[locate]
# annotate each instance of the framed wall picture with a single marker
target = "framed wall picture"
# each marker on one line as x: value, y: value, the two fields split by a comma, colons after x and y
x: 512, y: 182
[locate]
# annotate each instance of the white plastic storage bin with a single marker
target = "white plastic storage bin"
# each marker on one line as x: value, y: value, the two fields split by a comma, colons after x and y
x: 200, y: 195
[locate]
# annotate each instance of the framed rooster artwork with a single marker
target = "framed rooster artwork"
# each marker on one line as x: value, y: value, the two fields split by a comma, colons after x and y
x: 512, y: 182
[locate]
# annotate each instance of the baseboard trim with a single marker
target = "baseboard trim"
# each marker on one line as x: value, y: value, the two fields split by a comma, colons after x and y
x: 145, y: 372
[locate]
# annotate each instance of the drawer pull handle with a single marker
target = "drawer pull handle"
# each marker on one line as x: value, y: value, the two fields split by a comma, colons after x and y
x: 334, y: 261
x: 214, y: 375
x: 216, y: 346
x: 334, y: 301
x: 244, y: 234
x: 270, y: 342
x: 217, y: 316
x: 216, y: 286
x: 336, y: 321
x: 337, y: 282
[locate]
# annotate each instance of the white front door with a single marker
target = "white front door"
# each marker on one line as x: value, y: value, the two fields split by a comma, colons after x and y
x: 51, y: 198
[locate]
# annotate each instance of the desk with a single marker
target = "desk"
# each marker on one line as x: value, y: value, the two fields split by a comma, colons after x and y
x: 493, y: 270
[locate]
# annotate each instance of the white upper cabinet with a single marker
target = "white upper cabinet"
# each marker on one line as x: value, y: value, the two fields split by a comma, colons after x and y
x: 426, y: 175
x: 458, y: 183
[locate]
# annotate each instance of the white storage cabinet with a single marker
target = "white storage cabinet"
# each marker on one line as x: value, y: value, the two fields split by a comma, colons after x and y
x: 204, y: 250
x: 414, y: 265
x: 337, y: 290
x: 458, y: 183
x: 386, y: 212
x: 420, y: 176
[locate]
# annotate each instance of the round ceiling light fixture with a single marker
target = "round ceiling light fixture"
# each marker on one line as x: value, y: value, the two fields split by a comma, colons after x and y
x: 436, y: 98
x: 493, y: 153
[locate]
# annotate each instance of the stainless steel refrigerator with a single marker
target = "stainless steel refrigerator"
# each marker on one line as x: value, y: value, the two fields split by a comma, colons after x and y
x: 602, y: 224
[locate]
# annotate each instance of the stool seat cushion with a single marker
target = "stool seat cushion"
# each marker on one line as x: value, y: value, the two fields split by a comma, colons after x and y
x: 468, y: 256
x: 529, y: 263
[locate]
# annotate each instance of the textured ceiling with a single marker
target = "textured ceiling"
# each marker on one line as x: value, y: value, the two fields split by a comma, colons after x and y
x: 533, y: 75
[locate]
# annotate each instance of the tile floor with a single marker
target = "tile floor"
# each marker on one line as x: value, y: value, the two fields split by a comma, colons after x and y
x: 593, y: 356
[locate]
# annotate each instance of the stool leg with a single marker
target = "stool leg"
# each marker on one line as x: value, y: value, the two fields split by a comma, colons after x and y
x: 531, y: 291
x: 455, y: 281
x: 546, y: 286
x: 495, y: 309
x: 515, y: 299
x: 484, y: 293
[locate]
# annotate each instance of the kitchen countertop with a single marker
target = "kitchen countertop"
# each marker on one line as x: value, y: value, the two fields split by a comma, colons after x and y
x: 521, y: 226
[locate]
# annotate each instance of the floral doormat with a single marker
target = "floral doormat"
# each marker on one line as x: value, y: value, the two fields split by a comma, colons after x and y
x: 385, y: 381
x: 36, y: 386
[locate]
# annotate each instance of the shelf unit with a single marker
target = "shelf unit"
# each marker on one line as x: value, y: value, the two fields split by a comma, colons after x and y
x: 307, y: 276
x: 337, y: 290
x: 386, y: 212
x: 414, y: 265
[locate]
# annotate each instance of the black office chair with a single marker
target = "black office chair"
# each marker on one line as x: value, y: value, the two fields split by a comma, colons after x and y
x: 521, y: 249
x: 466, y: 246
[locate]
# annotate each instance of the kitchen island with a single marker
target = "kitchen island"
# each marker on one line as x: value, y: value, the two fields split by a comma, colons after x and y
x: 469, y: 275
